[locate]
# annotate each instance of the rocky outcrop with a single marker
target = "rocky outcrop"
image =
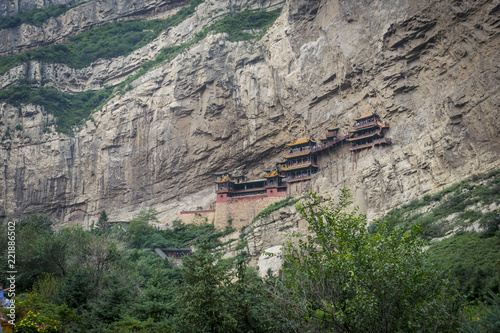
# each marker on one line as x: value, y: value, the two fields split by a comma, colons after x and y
x: 429, y: 68
x: 81, y: 17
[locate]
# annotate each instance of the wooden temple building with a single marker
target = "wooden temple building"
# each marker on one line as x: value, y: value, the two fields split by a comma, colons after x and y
x: 301, y: 160
x: 230, y: 186
x: 368, y: 131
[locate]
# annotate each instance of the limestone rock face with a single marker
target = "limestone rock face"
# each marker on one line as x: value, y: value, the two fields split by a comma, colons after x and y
x: 428, y: 68
x: 83, y: 16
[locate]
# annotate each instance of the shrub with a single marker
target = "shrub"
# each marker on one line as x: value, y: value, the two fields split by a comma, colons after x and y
x: 342, y: 278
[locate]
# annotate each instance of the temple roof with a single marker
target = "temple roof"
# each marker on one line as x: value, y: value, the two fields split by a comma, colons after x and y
x: 365, y: 116
x: 299, y: 142
x: 224, y: 179
x: 297, y: 154
x: 272, y: 173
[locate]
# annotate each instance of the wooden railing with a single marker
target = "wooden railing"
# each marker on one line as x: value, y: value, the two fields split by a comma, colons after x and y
x: 298, y: 166
x: 327, y: 145
x: 365, y: 135
x: 372, y: 123
x: 298, y: 153
x: 369, y: 144
x: 297, y: 179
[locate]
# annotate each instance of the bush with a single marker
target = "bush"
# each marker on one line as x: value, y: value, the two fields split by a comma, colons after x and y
x: 342, y: 278
x: 470, y: 259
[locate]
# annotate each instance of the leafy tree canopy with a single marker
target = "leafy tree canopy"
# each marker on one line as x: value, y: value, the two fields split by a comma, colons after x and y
x: 342, y: 278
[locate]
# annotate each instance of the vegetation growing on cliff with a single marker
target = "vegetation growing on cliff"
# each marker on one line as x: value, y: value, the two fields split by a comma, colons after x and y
x: 470, y: 256
x: 70, y: 110
x: 288, y: 201
x: 106, y: 42
x: 111, y: 41
x: 245, y: 25
x: 34, y: 17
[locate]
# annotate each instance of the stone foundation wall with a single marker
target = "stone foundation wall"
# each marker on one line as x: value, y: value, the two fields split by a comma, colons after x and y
x: 241, y: 211
x: 298, y: 189
x: 197, y: 217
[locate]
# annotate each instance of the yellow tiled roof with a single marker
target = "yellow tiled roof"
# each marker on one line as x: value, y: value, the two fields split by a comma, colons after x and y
x: 298, y: 141
x: 271, y: 174
x: 224, y: 179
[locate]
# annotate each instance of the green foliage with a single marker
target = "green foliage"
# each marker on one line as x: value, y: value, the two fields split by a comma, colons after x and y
x: 241, y: 245
x: 47, y: 286
x: 103, y: 221
x: 223, y: 296
x: 106, y: 42
x: 471, y: 259
x: 237, y: 27
x: 34, y: 17
x: 246, y: 25
x: 140, y: 234
x: 288, y: 201
x: 182, y: 233
x: 69, y: 109
x: 111, y: 41
x: 77, y: 289
x: 343, y: 278
x: 489, y: 321
x: 115, y: 296
x: 454, y: 199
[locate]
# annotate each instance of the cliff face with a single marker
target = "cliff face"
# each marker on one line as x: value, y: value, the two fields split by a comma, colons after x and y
x: 81, y: 16
x: 429, y: 68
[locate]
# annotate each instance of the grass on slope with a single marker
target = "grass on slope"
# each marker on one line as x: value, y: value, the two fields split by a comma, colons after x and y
x: 456, y: 199
x: 69, y: 109
x: 288, y: 201
x: 471, y: 259
x: 106, y: 42
x: 34, y: 17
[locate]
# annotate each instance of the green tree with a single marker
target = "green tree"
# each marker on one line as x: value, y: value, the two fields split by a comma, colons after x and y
x: 103, y: 221
x: 342, y: 278
x: 204, y: 303
x: 140, y: 234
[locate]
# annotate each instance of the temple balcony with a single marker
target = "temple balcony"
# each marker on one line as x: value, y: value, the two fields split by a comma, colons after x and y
x: 382, y: 124
x: 368, y: 135
x: 299, y: 166
x: 358, y: 147
x: 299, y: 153
x: 328, y: 144
x: 298, y: 179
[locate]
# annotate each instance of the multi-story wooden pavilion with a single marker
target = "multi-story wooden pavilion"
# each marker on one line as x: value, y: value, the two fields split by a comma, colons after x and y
x: 368, y: 131
x: 301, y: 160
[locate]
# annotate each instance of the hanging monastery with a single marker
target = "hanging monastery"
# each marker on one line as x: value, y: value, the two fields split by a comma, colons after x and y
x: 239, y: 199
